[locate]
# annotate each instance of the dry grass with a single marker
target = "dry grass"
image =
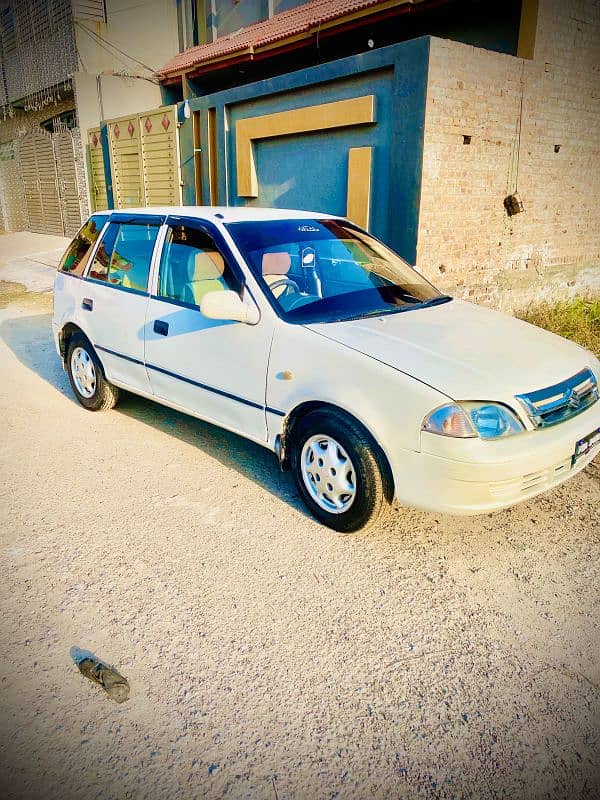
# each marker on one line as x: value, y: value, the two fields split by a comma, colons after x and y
x: 577, y: 319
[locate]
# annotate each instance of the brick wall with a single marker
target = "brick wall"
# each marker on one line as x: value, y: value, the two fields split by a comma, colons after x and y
x: 467, y: 243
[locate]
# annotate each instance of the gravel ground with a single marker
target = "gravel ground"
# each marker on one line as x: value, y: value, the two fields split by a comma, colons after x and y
x: 268, y: 657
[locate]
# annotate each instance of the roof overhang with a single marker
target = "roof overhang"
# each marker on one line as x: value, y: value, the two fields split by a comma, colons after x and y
x: 287, y: 31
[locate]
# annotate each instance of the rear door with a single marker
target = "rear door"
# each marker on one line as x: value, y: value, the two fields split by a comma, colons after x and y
x: 69, y: 286
x: 116, y: 297
x: 214, y: 368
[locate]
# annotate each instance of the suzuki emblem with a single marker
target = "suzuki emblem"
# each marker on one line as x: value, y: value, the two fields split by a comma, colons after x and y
x: 573, y: 398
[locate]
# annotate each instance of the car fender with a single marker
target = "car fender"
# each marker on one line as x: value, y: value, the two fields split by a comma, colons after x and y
x: 305, y: 367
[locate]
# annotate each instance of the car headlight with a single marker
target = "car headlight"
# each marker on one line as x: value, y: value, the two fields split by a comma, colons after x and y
x: 466, y: 420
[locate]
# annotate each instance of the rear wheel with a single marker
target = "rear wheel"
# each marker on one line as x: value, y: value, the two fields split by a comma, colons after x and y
x: 87, y: 379
x: 340, y: 471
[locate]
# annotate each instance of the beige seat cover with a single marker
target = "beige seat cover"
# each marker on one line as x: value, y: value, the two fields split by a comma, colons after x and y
x: 207, y: 274
x: 276, y: 266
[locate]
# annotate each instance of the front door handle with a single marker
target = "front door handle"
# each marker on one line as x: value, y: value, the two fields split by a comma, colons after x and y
x: 87, y: 304
x: 161, y: 327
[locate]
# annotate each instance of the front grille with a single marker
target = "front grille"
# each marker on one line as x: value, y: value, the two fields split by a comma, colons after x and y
x: 562, y: 401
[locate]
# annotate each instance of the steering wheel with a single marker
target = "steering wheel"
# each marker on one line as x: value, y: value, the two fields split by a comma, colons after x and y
x: 285, y: 282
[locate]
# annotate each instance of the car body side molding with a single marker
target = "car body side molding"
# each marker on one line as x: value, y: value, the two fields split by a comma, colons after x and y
x: 204, y: 386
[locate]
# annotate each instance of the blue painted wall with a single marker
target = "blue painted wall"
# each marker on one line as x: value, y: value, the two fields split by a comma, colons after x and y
x: 110, y: 198
x: 310, y: 170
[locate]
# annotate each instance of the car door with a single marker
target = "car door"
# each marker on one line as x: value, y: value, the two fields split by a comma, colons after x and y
x: 216, y: 369
x: 116, y: 296
x: 68, y: 293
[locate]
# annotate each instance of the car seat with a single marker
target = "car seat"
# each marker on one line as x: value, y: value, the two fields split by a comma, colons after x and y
x: 275, y: 267
x: 206, y: 270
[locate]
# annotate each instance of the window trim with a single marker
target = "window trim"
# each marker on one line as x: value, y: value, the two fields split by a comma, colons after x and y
x: 92, y: 250
x: 117, y: 286
x: 173, y: 302
x: 156, y: 221
x: 123, y: 218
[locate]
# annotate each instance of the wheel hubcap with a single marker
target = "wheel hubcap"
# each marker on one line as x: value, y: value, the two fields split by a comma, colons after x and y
x: 328, y: 474
x: 83, y: 372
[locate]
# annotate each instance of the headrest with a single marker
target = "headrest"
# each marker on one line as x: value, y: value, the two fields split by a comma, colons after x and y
x: 207, y: 265
x: 276, y: 263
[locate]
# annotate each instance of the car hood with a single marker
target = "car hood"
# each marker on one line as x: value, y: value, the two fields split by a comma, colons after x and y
x: 465, y: 351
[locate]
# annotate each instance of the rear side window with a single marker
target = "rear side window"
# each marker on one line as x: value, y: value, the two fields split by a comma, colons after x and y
x: 75, y: 259
x: 124, y: 255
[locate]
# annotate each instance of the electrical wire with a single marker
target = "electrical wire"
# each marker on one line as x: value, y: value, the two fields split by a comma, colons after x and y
x: 106, y: 50
x: 114, y: 50
x: 114, y: 11
x: 105, y: 42
x: 122, y: 52
x: 79, y: 57
x: 512, y: 177
x: 126, y: 67
x: 520, y: 126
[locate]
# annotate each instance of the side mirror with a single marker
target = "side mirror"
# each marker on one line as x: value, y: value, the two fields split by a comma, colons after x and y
x: 228, y: 305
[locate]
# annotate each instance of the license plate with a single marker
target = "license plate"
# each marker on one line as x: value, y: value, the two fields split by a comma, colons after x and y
x: 589, y: 442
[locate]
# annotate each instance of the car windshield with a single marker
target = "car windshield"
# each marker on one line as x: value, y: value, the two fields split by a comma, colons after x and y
x: 326, y: 270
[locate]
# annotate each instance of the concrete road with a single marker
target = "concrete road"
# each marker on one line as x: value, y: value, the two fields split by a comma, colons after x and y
x: 268, y: 657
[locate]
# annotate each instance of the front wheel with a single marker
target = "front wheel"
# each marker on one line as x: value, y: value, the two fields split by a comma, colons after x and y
x: 340, y: 471
x: 87, y: 379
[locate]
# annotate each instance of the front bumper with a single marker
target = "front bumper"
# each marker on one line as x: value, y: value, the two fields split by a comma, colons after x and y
x: 471, y: 476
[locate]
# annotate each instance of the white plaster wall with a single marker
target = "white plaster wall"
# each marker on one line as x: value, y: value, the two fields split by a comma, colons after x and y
x: 108, y: 96
x: 102, y: 97
x: 144, y: 30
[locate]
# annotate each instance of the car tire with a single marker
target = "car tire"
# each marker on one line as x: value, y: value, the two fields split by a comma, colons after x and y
x: 87, y: 378
x: 341, y: 472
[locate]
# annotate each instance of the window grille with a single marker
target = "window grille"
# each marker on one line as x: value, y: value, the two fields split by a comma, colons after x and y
x: 39, y: 52
x: 7, y: 27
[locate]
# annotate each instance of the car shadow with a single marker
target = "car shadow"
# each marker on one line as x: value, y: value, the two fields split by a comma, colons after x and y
x: 30, y: 339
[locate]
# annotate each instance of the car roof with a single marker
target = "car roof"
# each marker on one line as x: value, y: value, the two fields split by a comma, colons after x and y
x: 222, y: 213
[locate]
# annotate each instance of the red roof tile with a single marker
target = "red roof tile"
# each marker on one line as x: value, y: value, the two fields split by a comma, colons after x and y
x: 301, y: 19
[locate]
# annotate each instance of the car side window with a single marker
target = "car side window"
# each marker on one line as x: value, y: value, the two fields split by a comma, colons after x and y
x: 124, y: 255
x: 75, y: 259
x: 191, y: 266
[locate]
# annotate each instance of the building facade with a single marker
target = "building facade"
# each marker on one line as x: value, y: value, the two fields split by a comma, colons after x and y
x: 65, y: 66
x: 465, y: 134
x: 503, y: 102
x: 533, y: 127
x: 42, y: 171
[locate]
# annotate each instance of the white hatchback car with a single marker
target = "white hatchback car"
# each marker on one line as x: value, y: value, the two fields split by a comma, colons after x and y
x: 302, y: 332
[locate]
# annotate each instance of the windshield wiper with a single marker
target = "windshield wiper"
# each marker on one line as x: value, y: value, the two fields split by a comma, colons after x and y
x: 382, y: 312
x: 435, y: 301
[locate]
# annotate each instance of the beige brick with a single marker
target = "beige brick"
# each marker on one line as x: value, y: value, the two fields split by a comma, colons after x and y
x: 463, y: 224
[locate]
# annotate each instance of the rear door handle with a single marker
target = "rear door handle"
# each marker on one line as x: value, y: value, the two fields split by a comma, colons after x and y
x: 161, y: 327
x: 87, y: 304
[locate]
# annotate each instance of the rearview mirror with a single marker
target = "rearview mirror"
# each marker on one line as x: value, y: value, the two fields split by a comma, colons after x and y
x: 228, y: 305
